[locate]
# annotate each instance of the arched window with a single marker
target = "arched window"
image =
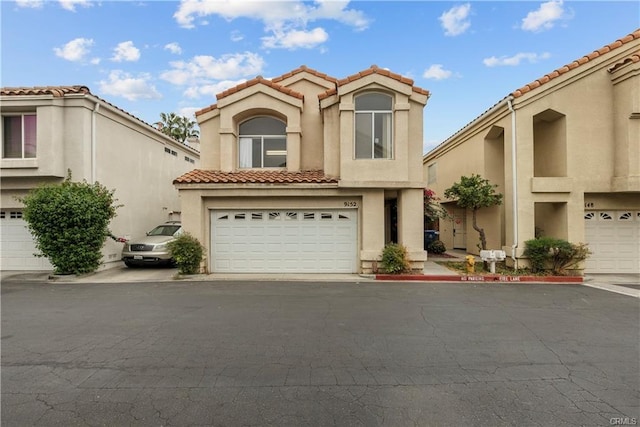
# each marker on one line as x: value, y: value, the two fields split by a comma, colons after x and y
x: 263, y: 143
x: 374, y: 126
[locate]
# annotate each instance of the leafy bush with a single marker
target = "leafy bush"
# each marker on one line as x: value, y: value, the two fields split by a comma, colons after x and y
x: 557, y: 255
x: 436, y: 247
x: 187, y: 252
x: 395, y: 258
x: 69, y: 222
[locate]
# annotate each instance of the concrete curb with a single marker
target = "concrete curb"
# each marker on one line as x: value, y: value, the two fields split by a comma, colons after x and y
x: 481, y: 278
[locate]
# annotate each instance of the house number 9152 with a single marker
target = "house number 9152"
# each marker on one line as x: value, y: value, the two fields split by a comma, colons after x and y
x: 350, y: 204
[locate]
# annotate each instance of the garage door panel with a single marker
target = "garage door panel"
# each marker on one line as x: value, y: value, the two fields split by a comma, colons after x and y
x: 285, y: 241
x: 17, y: 246
x: 613, y: 238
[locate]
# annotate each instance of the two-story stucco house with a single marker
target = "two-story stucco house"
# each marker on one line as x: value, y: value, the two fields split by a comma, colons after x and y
x: 308, y: 173
x: 48, y: 130
x: 565, y: 152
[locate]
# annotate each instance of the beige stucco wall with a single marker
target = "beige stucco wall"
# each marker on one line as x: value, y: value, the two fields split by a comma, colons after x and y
x: 129, y: 158
x: 319, y: 136
x: 574, y: 135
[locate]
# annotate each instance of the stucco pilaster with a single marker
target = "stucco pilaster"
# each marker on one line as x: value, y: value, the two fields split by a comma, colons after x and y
x: 372, y: 229
x: 227, y: 150
x: 411, y: 225
x: 293, y: 147
x: 193, y: 217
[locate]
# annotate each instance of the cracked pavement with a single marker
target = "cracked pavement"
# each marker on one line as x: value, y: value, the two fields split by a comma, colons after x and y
x: 317, y: 354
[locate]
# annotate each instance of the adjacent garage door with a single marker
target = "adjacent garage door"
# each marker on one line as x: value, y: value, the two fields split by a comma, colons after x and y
x: 16, y: 244
x: 614, y: 239
x: 284, y: 241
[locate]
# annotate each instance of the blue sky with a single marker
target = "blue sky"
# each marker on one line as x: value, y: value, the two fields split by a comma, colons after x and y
x: 148, y: 57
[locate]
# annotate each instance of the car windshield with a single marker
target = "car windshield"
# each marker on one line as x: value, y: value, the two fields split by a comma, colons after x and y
x: 164, y: 230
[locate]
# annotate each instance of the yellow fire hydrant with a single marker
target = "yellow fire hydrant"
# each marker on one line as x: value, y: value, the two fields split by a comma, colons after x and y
x: 470, y: 263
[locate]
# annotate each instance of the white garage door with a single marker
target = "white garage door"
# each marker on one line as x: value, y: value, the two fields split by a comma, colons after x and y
x: 284, y: 241
x: 17, y: 246
x: 614, y: 239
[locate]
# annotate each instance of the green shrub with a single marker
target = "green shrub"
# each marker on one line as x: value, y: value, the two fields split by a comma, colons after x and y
x: 69, y: 222
x: 556, y: 255
x: 436, y: 247
x: 187, y: 252
x: 395, y: 258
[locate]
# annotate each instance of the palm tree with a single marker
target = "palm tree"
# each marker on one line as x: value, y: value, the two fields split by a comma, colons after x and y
x: 177, y: 127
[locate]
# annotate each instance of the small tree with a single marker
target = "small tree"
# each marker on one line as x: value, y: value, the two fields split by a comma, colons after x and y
x: 69, y: 222
x: 474, y: 193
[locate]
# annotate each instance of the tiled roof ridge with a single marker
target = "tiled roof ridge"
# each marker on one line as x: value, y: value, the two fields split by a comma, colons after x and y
x: 374, y: 69
x: 55, y: 91
x: 259, y: 80
x: 575, y: 64
x: 304, y: 68
x: 634, y: 57
x: 202, y: 176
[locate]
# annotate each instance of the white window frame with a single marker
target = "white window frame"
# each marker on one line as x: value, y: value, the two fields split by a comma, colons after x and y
x: 22, y: 134
x: 245, y: 147
x: 373, y: 114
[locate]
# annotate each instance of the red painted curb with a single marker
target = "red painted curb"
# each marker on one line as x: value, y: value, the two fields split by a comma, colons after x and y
x: 487, y: 278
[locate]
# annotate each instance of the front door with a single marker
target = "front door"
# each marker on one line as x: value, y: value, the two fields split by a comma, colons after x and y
x: 459, y: 229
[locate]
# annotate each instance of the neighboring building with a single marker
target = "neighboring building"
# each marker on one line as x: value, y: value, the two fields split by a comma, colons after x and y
x: 307, y: 173
x: 565, y: 152
x: 49, y: 130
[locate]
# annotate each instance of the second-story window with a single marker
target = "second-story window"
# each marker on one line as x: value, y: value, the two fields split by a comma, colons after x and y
x: 19, y: 136
x: 263, y: 143
x: 373, y: 126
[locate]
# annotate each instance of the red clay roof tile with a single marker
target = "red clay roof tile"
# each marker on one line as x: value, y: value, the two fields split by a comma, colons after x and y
x: 581, y: 61
x: 199, y: 176
x: 635, y: 57
x: 304, y: 68
x: 55, y: 91
x: 259, y: 80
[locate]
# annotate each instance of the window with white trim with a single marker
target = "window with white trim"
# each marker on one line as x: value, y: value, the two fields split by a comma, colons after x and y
x: 373, y: 126
x: 19, y: 136
x: 262, y: 143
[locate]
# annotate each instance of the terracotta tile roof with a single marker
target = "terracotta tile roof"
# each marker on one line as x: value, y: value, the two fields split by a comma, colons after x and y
x: 206, y: 109
x: 249, y: 83
x: 55, y: 91
x: 301, y: 69
x: 635, y: 57
x: 374, y: 69
x: 259, y: 80
x: 199, y: 176
x: 578, y: 62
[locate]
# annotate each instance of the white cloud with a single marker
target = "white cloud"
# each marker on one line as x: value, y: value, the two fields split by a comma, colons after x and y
x: 125, y: 51
x: 71, y: 4
x: 173, y: 48
x: 32, y: 4
x: 515, y: 59
x: 211, y: 90
x: 75, y: 50
x: 284, y: 21
x: 295, y: 39
x: 436, y: 72
x: 204, y: 69
x: 129, y: 87
x: 236, y: 36
x: 455, y: 20
x: 189, y: 112
x: 545, y: 17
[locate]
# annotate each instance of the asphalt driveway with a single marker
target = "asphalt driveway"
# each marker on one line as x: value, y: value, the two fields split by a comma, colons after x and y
x: 317, y: 354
